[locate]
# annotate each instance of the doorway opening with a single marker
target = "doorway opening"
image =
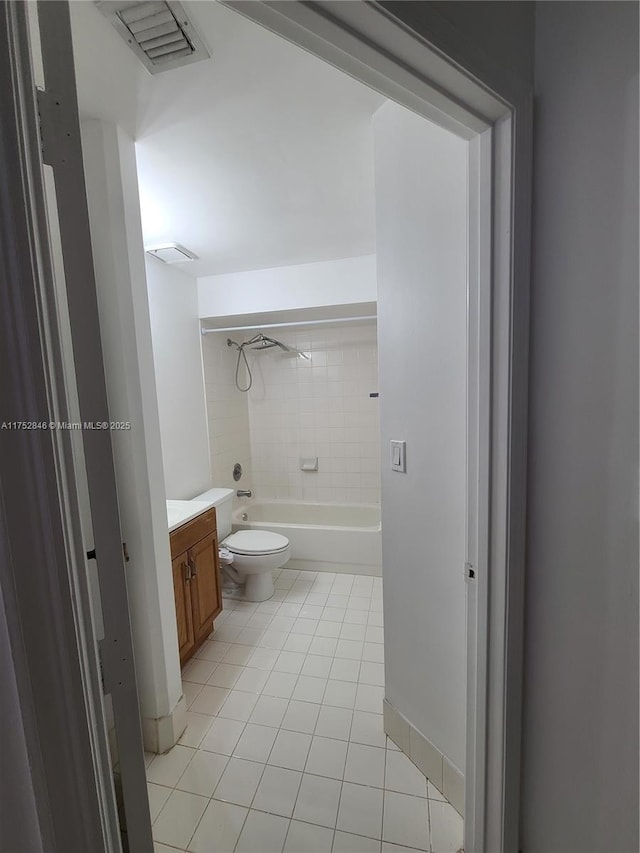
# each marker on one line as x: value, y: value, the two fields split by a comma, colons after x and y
x: 404, y: 729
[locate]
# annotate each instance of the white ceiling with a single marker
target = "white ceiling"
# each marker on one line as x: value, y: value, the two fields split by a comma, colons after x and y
x: 259, y: 157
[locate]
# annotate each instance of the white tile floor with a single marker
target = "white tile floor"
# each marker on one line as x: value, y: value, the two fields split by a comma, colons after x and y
x: 284, y: 749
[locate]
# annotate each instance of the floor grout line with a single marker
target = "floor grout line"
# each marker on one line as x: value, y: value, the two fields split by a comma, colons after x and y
x: 231, y: 639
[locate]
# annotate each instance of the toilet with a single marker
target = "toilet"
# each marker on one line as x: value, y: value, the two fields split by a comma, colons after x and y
x: 256, y: 553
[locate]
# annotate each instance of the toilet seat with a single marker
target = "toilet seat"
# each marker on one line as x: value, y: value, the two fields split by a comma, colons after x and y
x: 254, y: 543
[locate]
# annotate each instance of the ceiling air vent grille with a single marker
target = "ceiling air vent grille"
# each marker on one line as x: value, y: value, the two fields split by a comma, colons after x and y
x: 159, y: 32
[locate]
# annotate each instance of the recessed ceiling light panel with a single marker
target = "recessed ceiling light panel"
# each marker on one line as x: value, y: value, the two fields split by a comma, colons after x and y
x: 171, y: 253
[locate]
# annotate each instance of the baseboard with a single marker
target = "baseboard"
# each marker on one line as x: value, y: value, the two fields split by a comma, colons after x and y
x: 426, y: 757
x: 160, y: 734
x: 338, y: 568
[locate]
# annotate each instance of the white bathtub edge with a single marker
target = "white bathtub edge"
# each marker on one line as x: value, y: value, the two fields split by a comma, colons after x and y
x: 338, y: 568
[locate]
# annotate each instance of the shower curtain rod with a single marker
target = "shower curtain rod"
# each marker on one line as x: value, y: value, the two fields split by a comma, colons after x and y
x: 290, y: 324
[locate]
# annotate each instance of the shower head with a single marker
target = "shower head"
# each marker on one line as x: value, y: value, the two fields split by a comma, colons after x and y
x: 259, y: 342
x: 263, y: 342
x: 269, y: 343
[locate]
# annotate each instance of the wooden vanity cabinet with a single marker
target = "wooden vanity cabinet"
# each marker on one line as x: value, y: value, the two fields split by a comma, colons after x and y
x: 184, y: 612
x: 196, y: 581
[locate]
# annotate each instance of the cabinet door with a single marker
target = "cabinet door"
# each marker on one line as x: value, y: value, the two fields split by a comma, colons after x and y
x: 205, y: 585
x: 184, y: 605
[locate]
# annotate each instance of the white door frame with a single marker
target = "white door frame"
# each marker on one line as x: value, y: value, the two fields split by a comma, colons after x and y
x: 67, y: 738
x: 494, y: 113
x: 41, y: 578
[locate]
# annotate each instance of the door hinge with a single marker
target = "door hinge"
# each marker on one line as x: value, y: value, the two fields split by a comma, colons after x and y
x: 57, y: 130
x: 469, y: 572
x: 91, y: 555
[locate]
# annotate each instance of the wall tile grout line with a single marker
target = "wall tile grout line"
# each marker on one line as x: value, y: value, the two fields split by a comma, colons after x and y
x: 319, y: 408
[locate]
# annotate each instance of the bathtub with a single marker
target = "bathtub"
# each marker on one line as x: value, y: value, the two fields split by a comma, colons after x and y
x: 323, y: 537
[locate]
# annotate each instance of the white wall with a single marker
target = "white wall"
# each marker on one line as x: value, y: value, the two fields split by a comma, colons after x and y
x: 485, y: 36
x: 580, y: 762
x: 349, y: 280
x: 317, y: 407
x: 177, y: 358
x: 110, y: 170
x: 580, y: 729
x: 421, y: 252
x: 112, y: 83
x: 228, y: 414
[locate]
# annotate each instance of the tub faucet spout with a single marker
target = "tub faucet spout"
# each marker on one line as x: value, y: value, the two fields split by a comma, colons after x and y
x: 244, y: 493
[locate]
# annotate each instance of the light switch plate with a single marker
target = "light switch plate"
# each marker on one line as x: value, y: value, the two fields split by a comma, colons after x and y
x: 399, y: 456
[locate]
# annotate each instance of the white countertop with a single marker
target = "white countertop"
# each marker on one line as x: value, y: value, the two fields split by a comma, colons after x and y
x: 179, y: 512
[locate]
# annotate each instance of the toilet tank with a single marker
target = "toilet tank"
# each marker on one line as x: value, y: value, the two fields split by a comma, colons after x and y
x: 223, y: 501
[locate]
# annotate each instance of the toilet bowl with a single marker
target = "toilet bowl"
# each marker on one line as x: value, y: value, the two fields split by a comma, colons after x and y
x: 256, y: 553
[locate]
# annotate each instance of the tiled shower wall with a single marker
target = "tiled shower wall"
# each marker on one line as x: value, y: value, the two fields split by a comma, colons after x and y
x: 298, y: 408
x: 320, y: 407
x: 227, y: 414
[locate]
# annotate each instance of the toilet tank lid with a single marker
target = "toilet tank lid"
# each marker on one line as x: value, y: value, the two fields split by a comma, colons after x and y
x: 215, y: 496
